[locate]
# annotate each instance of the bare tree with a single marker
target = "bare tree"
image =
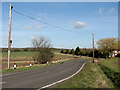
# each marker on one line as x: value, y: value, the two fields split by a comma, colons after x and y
x: 43, y: 50
x: 41, y: 42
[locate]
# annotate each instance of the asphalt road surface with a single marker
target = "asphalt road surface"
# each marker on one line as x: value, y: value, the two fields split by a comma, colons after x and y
x: 43, y: 76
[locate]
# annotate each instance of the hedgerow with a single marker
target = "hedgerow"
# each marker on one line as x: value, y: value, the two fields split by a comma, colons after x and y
x: 112, y: 75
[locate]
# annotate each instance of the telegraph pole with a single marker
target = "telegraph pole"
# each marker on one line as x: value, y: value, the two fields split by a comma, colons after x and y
x: 9, y: 40
x: 93, y: 45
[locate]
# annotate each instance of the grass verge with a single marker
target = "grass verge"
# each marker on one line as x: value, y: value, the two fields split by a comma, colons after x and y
x: 31, y: 68
x: 111, y: 71
x: 91, y: 76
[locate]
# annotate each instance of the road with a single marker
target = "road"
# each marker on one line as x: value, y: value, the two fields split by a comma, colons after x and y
x: 41, y: 77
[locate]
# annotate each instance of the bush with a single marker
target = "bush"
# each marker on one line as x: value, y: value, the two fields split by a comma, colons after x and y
x: 43, y: 53
x: 43, y: 56
x: 118, y: 55
x: 72, y: 51
x: 98, y: 54
x: 67, y: 51
x: 61, y: 51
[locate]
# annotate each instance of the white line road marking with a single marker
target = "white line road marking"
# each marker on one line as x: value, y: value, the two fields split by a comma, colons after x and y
x: 62, y: 79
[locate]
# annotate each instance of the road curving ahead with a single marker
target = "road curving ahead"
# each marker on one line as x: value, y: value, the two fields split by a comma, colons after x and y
x: 43, y: 77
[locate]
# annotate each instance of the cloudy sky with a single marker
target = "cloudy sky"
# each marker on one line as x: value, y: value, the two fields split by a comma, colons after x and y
x: 68, y: 24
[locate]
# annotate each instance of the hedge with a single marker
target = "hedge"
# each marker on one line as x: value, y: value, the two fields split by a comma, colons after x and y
x: 112, y: 75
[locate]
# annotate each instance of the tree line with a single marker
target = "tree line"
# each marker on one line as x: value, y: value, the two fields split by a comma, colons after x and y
x: 32, y: 49
x: 105, y: 47
x: 43, y: 50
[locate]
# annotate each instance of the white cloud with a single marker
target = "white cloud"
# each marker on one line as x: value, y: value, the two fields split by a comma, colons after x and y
x: 100, y: 11
x: 33, y: 26
x: 79, y: 25
x: 111, y: 10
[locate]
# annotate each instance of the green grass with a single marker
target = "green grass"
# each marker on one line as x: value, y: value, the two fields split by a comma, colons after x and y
x: 26, y: 68
x: 56, y: 51
x: 91, y: 76
x: 30, y: 68
x: 28, y: 55
x: 19, y: 55
x: 111, y: 64
x: 22, y: 69
x: 61, y: 56
x: 110, y: 68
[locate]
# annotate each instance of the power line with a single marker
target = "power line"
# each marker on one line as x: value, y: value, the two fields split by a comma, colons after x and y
x: 55, y: 26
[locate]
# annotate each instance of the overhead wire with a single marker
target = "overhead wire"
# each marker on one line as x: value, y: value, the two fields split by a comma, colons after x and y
x: 55, y: 26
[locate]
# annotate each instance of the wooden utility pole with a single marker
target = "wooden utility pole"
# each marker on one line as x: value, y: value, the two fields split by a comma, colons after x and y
x: 93, y: 45
x: 9, y: 40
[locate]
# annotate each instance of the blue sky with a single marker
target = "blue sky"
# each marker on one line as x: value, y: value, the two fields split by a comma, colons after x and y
x: 85, y: 18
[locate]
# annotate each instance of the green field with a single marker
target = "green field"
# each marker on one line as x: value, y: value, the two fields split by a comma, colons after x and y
x: 18, y: 55
x: 24, y: 58
x: 91, y: 76
x: 111, y: 64
x: 35, y: 66
x: 28, y: 55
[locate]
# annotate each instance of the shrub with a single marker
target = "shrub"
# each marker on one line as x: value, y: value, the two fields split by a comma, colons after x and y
x: 72, y: 51
x: 43, y: 52
x: 67, y: 51
x: 61, y: 51
x: 118, y: 55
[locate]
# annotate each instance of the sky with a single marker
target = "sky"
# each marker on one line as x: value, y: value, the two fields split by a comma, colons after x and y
x: 77, y: 21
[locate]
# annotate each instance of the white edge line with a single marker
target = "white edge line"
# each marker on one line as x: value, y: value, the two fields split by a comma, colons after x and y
x: 62, y: 79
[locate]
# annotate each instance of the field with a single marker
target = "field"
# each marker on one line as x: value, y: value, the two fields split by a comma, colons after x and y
x: 24, y: 58
x: 28, y: 55
x: 111, y: 64
x: 18, y: 55
x: 93, y: 76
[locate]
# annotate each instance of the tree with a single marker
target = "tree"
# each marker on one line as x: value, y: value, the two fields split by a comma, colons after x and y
x: 67, y: 51
x: 61, y: 51
x: 97, y: 54
x: 77, y: 51
x: 72, y: 51
x: 106, y: 45
x: 43, y: 52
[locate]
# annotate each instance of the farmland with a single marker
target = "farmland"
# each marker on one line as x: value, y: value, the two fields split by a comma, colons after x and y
x: 24, y: 58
